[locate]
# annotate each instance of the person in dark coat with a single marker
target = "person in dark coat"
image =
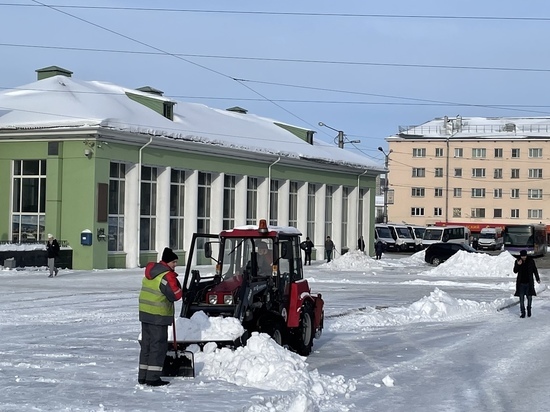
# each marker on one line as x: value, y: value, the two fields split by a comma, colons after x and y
x: 525, y: 267
x: 307, y: 247
x: 160, y: 289
x: 329, y: 247
x: 361, y: 244
x: 378, y: 249
x: 52, y: 250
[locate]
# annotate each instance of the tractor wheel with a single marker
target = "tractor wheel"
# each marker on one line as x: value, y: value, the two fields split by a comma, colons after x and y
x: 277, y: 332
x: 303, y: 338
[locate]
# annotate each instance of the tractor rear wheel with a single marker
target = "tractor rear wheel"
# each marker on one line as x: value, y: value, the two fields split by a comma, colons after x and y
x: 303, y: 337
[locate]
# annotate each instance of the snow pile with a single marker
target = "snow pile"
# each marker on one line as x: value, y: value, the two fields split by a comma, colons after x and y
x: 22, y: 246
x: 355, y: 259
x: 202, y: 328
x: 476, y: 265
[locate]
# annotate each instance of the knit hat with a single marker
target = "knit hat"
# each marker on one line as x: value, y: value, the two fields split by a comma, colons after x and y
x: 168, y: 256
x: 50, y: 236
x: 523, y: 253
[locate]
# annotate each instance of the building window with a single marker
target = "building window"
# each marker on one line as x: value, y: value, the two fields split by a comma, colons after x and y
x: 274, y: 202
x: 293, y: 204
x: 229, y: 183
x: 417, y: 211
x: 438, y: 211
x: 457, y: 192
x: 29, y: 201
x: 311, y: 190
x: 497, y: 174
x: 514, y: 174
x: 328, y: 210
x: 477, y: 192
x: 497, y: 213
x: 438, y: 152
x: 477, y: 212
x: 345, y: 206
x: 177, y: 239
x: 438, y: 192
x: 534, y: 213
x: 204, y: 195
x: 148, y: 208
x: 497, y: 193
x: 478, y: 172
x: 458, y: 172
x: 479, y: 153
x: 536, y: 152
x: 117, y: 175
x: 514, y: 213
x: 457, y: 212
x: 498, y: 153
x: 418, y: 172
x: 459, y: 152
x: 438, y: 172
x: 534, y: 193
x: 515, y: 153
x: 251, y: 201
x: 535, y: 173
x: 417, y: 192
x: 419, y: 152
x: 514, y: 193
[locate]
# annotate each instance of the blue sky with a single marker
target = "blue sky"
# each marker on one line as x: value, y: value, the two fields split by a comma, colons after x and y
x: 381, y: 88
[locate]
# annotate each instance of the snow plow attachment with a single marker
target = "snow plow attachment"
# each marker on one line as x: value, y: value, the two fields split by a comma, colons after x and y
x: 179, y: 363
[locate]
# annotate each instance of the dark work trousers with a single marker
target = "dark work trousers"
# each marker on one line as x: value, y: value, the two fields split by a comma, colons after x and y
x: 154, y: 344
x: 328, y: 255
x: 523, y: 291
x: 308, y: 257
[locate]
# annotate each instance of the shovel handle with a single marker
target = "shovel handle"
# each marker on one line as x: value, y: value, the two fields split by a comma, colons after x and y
x: 174, y: 336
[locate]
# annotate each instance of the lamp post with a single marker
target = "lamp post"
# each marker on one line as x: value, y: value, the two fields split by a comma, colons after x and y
x: 341, y: 136
x: 386, y: 155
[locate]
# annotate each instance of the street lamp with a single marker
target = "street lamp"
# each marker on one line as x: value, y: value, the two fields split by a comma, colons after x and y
x: 341, y: 136
x: 387, y: 155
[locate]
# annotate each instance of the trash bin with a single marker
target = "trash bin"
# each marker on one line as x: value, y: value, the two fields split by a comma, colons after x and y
x: 9, y: 263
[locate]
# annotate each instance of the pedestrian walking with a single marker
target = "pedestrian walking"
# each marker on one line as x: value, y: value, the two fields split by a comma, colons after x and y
x: 307, y: 247
x: 52, y: 250
x: 160, y: 289
x: 329, y: 247
x: 525, y: 267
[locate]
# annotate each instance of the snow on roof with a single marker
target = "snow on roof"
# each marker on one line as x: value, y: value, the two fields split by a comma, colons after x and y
x: 65, y: 102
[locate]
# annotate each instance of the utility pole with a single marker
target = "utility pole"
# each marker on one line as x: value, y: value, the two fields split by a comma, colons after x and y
x: 340, y: 139
x: 386, y: 183
x: 341, y: 136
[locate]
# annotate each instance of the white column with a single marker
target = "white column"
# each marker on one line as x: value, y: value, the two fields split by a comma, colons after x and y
x: 240, y: 200
x: 302, y: 208
x: 131, y: 216
x: 368, y: 226
x: 163, y: 210
x: 337, y: 220
x: 216, y: 203
x: 353, y: 224
x: 263, y: 199
x: 284, y: 190
x: 190, y: 224
x: 320, y: 235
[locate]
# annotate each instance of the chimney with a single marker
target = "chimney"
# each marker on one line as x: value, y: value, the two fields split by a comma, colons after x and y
x: 51, y: 71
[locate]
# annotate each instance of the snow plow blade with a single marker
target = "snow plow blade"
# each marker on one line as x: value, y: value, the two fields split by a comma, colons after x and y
x: 180, y: 363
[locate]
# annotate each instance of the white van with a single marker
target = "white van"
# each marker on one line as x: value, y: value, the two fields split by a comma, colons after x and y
x: 453, y: 234
x: 490, y: 238
x: 402, y: 236
x: 382, y: 232
x: 417, y: 233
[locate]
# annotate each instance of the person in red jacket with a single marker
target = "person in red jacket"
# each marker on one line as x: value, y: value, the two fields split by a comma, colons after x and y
x: 160, y: 289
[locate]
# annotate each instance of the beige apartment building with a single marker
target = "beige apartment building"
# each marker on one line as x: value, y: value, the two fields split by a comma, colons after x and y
x: 473, y: 171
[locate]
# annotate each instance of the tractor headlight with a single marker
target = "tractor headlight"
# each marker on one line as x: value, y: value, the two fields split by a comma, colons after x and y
x: 212, y: 299
x: 228, y: 299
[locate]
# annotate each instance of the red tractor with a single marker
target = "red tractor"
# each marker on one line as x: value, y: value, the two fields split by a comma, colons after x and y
x: 258, y: 279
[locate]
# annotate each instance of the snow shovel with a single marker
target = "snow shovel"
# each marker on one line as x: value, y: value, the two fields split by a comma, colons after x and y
x: 178, y: 363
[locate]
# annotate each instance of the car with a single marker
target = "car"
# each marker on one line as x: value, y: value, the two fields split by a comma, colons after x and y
x: 437, y: 253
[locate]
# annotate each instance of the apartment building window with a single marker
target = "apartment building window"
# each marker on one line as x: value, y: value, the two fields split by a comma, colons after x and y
x: 477, y: 212
x: 438, y: 192
x: 514, y: 174
x: 457, y: 192
x: 497, y: 213
x: 458, y: 172
x: 478, y: 192
x: 229, y: 201
x: 293, y: 204
x: 328, y: 210
x: 148, y: 208
x: 273, y: 202
x: 515, y: 153
x: 177, y: 209
x: 534, y: 193
x: 478, y: 172
x: 514, y: 213
x: 418, y: 172
x: 438, y: 152
x: 251, y: 200
x: 457, y: 212
x: 535, y: 152
x: 438, y: 211
x: 498, y: 153
x: 417, y: 211
x: 419, y: 152
x: 497, y: 174
x: 459, y: 152
x: 417, y: 192
x: 534, y: 213
x: 117, y: 176
x: 438, y: 172
x: 497, y: 193
x: 311, y: 190
x: 514, y: 193
x: 535, y: 173
x: 479, y: 153
x: 204, y: 200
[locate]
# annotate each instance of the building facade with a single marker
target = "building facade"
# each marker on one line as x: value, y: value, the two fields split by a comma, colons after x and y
x: 472, y: 171
x: 118, y: 174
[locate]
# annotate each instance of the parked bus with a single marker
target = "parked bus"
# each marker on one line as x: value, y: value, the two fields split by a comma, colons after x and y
x: 382, y: 232
x: 453, y: 234
x: 531, y: 238
x: 402, y: 236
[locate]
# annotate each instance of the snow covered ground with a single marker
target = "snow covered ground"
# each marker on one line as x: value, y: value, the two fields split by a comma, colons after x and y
x: 400, y: 335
